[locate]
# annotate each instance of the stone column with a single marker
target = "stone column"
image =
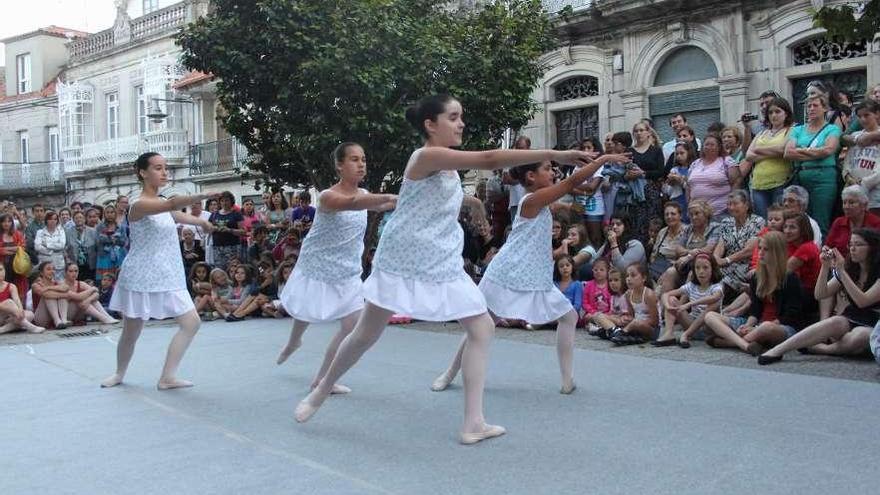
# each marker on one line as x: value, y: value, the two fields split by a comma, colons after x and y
x: 635, y: 106
x: 734, y: 96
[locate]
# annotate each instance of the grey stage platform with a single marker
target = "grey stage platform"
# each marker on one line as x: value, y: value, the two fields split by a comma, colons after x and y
x: 635, y: 425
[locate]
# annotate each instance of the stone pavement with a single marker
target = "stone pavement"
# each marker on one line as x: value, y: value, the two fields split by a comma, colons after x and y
x: 637, y: 424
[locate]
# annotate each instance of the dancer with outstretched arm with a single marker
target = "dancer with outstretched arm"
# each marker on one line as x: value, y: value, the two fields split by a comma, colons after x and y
x: 151, y: 280
x: 418, y: 268
x: 326, y: 281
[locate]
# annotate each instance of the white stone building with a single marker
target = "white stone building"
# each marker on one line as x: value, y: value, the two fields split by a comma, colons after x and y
x: 628, y: 59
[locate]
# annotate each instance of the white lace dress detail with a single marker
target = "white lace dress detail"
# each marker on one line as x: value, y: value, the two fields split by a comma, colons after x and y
x: 326, y: 282
x: 518, y: 284
x: 152, y: 283
x: 418, y: 269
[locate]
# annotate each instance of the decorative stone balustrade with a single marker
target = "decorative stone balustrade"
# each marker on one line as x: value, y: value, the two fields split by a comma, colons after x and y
x: 42, y: 177
x: 172, y: 144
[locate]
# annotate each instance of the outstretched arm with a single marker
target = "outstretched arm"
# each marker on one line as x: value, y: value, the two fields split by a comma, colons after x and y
x: 435, y: 158
x: 151, y: 206
x: 339, y: 201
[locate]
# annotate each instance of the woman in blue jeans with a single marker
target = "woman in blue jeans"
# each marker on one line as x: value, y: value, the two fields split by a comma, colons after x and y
x: 815, y: 145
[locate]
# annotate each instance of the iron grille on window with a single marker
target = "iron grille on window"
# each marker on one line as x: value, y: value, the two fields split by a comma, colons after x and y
x: 577, y: 87
x: 818, y: 50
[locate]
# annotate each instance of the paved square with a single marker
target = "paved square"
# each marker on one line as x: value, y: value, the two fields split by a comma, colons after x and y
x: 635, y: 425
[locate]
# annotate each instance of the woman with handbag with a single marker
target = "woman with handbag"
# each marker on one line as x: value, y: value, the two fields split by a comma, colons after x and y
x: 771, y: 171
x: 815, y: 145
x: 12, y: 244
x: 665, y: 251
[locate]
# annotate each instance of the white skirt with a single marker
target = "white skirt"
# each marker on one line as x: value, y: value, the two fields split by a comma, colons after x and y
x: 146, y: 305
x: 532, y: 306
x: 428, y: 301
x: 314, y: 301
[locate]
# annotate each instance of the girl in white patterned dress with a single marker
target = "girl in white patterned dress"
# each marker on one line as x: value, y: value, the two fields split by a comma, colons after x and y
x: 152, y: 283
x: 418, y: 268
x: 326, y: 281
x: 518, y: 284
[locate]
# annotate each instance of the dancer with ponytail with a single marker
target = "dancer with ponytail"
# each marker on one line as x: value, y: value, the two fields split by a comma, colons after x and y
x: 418, y: 268
x: 326, y: 281
x: 518, y: 284
x: 151, y: 281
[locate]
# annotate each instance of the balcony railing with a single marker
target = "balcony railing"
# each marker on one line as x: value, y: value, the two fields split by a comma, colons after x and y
x: 172, y: 144
x: 227, y: 155
x: 554, y: 6
x: 161, y: 21
x: 31, y: 176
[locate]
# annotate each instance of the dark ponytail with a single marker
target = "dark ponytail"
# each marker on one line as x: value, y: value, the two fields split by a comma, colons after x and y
x: 428, y: 108
x: 519, y: 173
x: 142, y: 163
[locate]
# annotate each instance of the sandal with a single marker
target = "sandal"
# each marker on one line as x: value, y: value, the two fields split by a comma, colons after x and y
x: 664, y: 343
x: 684, y: 344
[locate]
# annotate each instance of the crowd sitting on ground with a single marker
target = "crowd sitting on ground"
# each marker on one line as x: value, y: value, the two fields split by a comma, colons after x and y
x: 762, y: 236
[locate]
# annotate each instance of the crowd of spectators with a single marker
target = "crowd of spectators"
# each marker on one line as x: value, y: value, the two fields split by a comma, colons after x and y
x: 760, y: 235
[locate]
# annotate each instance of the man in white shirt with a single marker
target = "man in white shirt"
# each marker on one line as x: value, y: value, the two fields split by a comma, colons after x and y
x: 677, y: 123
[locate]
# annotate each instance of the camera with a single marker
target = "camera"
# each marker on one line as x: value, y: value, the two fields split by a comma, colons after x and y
x: 748, y: 117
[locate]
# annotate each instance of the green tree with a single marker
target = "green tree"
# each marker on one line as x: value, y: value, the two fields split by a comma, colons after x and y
x: 850, y: 22
x: 296, y: 77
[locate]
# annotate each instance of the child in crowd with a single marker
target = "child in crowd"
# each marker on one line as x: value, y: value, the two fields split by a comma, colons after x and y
x: 775, y: 222
x: 259, y: 244
x: 105, y: 292
x: 288, y: 247
x: 654, y: 227
x: 562, y: 277
x: 200, y: 289
x: 242, y: 298
x: 618, y: 313
x: 643, y: 308
x: 577, y: 246
x: 274, y: 308
x: 675, y: 186
x: 221, y: 290
x: 688, y: 304
x: 596, y: 294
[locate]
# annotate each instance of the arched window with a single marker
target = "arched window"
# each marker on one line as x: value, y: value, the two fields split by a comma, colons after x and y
x: 576, y: 87
x: 688, y: 63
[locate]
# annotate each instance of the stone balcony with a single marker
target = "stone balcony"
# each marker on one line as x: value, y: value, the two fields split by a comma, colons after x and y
x: 31, y: 178
x: 172, y: 144
x: 129, y: 32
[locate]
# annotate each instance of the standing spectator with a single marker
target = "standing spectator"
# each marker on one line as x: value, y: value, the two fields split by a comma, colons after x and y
x: 36, y: 223
x: 675, y: 184
x: 227, y: 230
x: 249, y: 220
x: 302, y: 215
x: 93, y: 217
x: 589, y: 196
x: 731, y: 140
x: 203, y: 237
x: 677, y: 123
x: 65, y: 219
x: 111, y: 244
x: 10, y: 240
x: 759, y: 122
x: 276, y: 218
x: 190, y: 249
x: 855, y: 216
x: 50, y: 244
x: 650, y: 162
x: 710, y: 177
x: 815, y: 145
x: 861, y: 161
x: 516, y: 190
x: 835, y: 112
x: 737, y: 237
x: 770, y: 171
x: 82, y: 246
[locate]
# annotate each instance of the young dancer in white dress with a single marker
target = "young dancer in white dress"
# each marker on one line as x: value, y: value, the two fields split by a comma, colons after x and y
x: 151, y: 281
x: 326, y: 281
x: 418, y: 268
x: 518, y: 284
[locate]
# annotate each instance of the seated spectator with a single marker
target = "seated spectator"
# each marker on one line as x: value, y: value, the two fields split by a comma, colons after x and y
x: 596, y: 297
x: 302, y: 216
x: 221, y: 291
x: 51, y: 244
x: 13, y: 316
x: 689, y: 304
x: 190, y: 249
x: 484, y: 245
x: 803, y: 255
x: 855, y: 216
x: 765, y: 158
x: 710, y: 177
x: 775, y: 310
x: 259, y: 243
x: 288, y: 247
x: 282, y: 274
x: 860, y: 166
x: 49, y: 298
x: 654, y: 227
x: 200, y: 289
x: 796, y: 199
x: 83, y: 298
x: 562, y: 277
x: 560, y: 232
x: 775, y: 223
x: 618, y: 314
x: 242, y: 298
x: 642, y: 302
x: 620, y: 248
x: 664, y: 252
x: 698, y: 237
x: 577, y: 246
x: 265, y: 288
x: 82, y: 246
x: 736, y: 239
x: 105, y: 292
x: 675, y: 186
x: 855, y: 276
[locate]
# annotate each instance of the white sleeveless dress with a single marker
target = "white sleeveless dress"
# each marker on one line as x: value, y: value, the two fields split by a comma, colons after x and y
x: 152, y: 283
x: 418, y: 268
x: 518, y: 283
x: 326, y: 281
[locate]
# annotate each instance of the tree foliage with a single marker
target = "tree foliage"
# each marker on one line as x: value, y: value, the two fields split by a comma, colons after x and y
x: 297, y: 77
x: 850, y: 22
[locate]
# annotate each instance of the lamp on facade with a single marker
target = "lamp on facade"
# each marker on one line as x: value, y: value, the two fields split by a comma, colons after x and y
x: 155, y: 113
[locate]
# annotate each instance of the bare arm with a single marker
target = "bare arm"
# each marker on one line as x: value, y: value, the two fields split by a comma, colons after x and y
x: 543, y: 197
x: 860, y: 298
x: 339, y: 201
x: 151, y: 206
x: 435, y: 158
x: 187, y: 219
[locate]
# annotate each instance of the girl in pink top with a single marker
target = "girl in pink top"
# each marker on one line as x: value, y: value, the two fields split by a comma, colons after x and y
x: 597, y: 295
